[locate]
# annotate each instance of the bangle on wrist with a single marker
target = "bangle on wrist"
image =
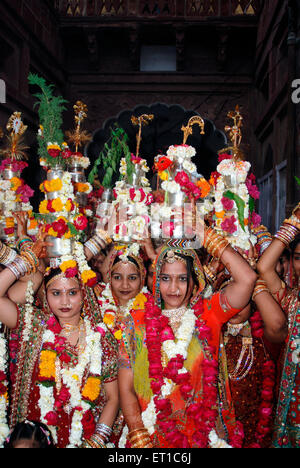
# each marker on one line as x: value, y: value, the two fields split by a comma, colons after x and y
x: 286, y: 233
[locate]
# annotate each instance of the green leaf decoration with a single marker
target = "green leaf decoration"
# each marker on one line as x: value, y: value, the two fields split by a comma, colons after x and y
x: 297, y: 180
x: 109, y: 158
x: 50, y: 110
x: 251, y: 204
x: 240, y: 204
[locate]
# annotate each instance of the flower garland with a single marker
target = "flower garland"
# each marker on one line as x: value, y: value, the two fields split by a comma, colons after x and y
x: 109, y: 309
x: 4, y: 428
x: 14, y: 196
x: 68, y: 381
x: 75, y: 262
x: 265, y: 421
x: 29, y: 296
x: 179, y: 175
x: 132, y: 204
x: 158, y: 412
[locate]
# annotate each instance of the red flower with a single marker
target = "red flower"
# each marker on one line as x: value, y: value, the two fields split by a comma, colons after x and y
x: 222, y: 157
x: 227, y: 203
x: 54, y: 153
x: 64, y: 357
x: 71, y: 272
x: 2, y: 376
x: 9, y: 231
x: 132, y: 194
x: 51, y: 418
x: 81, y: 223
x: 49, y: 207
x: 229, y: 225
x: 88, y: 424
x: 66, y: 154
x: 182, y: 178
x: 149, y: 199
x: 92, y: 282
x: 53, y: 325
x: 60, y: 227
x: 64, y: 395
x: 163, y: 163
x: 135, y: 159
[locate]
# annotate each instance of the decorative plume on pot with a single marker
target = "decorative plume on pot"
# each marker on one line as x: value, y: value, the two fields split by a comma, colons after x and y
x: 235, y: 190
x: 179, y: 183
x: 14, y: 193
x: 77, y: 163
x: 132, y: 193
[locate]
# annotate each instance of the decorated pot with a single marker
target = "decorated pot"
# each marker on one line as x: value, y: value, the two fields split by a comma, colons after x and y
x: 56, y: 172
x: 77, y: 172
x: 137, y: 176
x: 59, y: 247
x: 8, y: 173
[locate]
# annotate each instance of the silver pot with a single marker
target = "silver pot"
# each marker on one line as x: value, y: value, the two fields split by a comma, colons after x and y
x: 177, y: 199
x: 52, y: 195
x: 58, y: 247
x: 77, y: 173
x: 107, y: 195
x: 231, y: 181
x: 56, y: 172
x: 8, y: 173
x: 137, y: 176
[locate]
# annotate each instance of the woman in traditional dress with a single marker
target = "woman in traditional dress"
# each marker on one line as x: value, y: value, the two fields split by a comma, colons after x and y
x: 63, y: 360
x: 169, y: 391
x: 287, y: 423
x: 249, y: 348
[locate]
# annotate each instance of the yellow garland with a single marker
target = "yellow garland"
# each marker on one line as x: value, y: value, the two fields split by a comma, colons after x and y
x: 82, y: 187
x: 108, y: 319
x: 15, y: 183
x: 91, y: 390
x: 54, y: 185
x: 118, y: 335
x: 47, y: 364
x: 68, y: 205
x: 139, y: 302
x: 54, y: 146
x: 43, y: 207
x: 87, y: 274
x: 57, y: 205
x: 52, y: 233
x: 68, y: 264
x: 9, y: 222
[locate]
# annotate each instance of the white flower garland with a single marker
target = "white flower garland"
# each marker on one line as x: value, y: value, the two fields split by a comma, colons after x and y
x: 4, y: 429
x: 181, y: 152
x: 29, y: 295
x: 108, y: 303
x: 72, y: 378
